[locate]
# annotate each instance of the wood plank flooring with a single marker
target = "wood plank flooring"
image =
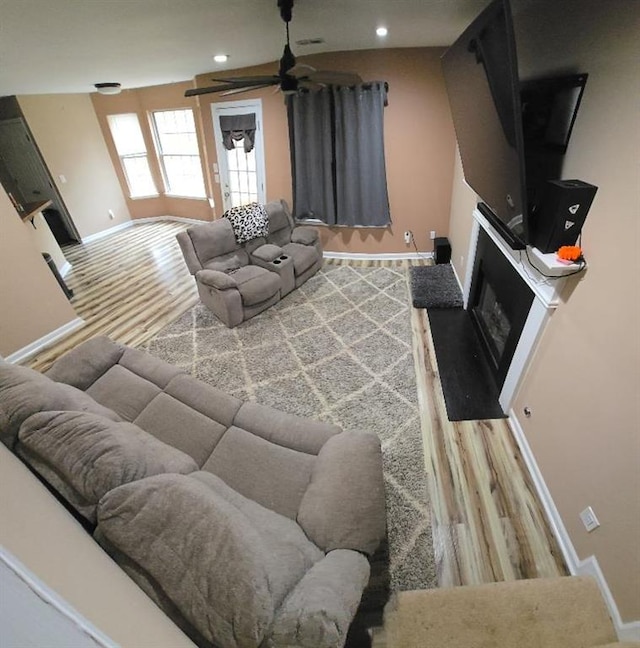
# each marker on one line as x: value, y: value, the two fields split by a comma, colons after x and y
x: 127, y: 285
x: 487, y: 522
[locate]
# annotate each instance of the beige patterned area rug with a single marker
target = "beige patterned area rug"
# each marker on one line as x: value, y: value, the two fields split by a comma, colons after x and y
x: 338, y: 349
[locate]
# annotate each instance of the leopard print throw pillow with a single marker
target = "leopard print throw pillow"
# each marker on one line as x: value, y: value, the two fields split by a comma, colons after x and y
x: 248, y: 221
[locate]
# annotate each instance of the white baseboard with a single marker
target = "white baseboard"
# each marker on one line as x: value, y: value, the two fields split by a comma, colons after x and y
x: 138, y: 221
x: 629, y: 631
x: 45, y: 341
x: 179, y: 219
x: 387, y: 256
x: 103, y: 233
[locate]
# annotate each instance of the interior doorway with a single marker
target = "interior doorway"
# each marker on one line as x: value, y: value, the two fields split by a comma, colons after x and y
x: 25, y: 176
x: 240, y: 171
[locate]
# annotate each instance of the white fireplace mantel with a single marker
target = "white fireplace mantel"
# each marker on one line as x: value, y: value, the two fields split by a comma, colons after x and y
x: 546, y: 292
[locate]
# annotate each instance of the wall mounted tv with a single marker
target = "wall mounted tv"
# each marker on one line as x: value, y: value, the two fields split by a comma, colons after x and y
x: 511, y: 137
x: 481, y: 75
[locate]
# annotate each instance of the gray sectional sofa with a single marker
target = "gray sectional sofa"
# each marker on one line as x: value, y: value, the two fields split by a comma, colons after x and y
x: 249, y: 527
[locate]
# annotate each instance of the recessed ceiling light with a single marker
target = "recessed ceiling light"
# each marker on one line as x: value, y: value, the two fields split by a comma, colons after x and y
x: 221, y: 58
x: 382, y: 31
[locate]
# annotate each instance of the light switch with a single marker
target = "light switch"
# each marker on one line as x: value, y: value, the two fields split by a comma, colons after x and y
x: 63, y: 179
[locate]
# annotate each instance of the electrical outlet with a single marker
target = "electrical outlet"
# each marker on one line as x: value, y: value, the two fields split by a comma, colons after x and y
x: 432, y: 234
x: 407, y: 237
x: 589, y: 519
x: 111, y: 214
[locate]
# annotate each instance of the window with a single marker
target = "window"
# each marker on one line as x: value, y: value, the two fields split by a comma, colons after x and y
x: 243, y: 182
x: 177, y: 144
x: 129, y: 143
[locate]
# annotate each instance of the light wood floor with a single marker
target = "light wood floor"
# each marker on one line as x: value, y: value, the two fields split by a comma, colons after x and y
x: 487, y: 522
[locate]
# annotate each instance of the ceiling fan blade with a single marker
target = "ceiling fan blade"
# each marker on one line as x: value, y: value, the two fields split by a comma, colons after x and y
x: 330, y: 77
x: 225, y: 87
x: 247, y: 89
x: 248, y: 79
x: 300, y: 70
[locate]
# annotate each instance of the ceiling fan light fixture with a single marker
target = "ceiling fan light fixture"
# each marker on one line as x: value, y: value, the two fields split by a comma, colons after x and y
x: 110, y: 88
x: 221, y: 58
x: 382, y: 31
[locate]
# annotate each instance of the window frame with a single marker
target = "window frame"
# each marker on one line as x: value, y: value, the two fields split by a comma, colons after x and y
x: 161, y: 155
x: 132, y: 156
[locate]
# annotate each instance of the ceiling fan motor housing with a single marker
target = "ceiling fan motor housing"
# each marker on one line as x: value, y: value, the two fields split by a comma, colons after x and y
x: 285, y: 7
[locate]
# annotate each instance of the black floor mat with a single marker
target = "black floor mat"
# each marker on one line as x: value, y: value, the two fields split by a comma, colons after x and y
x: 469, y: 389
x: 434, y: 287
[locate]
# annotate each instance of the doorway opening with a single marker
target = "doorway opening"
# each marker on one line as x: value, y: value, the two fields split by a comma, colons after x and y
x: 240, y: 170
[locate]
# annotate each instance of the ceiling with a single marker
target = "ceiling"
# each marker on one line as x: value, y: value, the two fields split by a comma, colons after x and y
x: 54, y: 46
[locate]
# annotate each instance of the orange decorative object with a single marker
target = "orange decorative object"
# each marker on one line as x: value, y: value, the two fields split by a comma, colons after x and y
x: 572, y: 253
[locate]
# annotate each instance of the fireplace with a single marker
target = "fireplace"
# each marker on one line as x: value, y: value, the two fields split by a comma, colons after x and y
x: 499, y: 304
x: 509, y: 301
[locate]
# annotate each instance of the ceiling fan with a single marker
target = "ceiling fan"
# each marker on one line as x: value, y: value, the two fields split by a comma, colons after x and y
x: 291, y: 76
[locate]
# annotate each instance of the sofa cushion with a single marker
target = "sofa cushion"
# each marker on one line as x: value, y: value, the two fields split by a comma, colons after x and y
x: 206, y: 399
x: 274, y: 476
x: 206, y: 556
x: 291, y: 552
x: 304, y: 256
x: 24, y: 392
x: 304, y: 235
x: 283, y: 429
x: 212, y: 240
x: 343, y: 508
x: 256, y: 284
x: 228, y: 262
x: 123, y: 391
x: 154, y: 370
x: 182, y: 427
x: 84, y: 364
x: 83, y: 455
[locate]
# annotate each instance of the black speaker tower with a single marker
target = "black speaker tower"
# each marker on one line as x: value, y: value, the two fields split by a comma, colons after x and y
x: 559, y: 216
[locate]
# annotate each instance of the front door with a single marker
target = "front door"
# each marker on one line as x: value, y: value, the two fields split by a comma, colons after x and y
x: 240, y: 174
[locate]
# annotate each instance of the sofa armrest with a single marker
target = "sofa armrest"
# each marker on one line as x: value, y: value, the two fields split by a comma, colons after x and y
x: 216, y: 279
x: 304, y: 234
x: 319, y: 610
x: 344, y: 505
x: 267, y: 253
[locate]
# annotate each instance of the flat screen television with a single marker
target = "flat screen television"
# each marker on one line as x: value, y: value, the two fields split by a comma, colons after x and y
x: 481, y: 75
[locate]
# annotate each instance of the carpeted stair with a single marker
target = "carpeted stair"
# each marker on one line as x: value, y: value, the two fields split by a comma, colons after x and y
x: 564, y: 612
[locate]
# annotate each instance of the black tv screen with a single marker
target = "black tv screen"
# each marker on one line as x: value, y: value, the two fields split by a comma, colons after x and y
x: 481, y: 75
x: 549, y: 109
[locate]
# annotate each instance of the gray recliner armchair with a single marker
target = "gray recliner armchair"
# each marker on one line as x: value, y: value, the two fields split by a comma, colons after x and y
x: 294, y: 251
x: 232, y: 288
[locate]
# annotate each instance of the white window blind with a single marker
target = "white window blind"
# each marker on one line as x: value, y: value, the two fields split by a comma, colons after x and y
x: 129, y: 143
x: 178, y: 152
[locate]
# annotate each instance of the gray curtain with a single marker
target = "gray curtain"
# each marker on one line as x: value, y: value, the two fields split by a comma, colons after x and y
x: 311, y: 153
x: 361, y: 177
x: 337, y: 152
x: 237, y: 127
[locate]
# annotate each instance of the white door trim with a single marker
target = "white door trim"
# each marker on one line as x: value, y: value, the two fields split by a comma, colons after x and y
x: 239, y: 106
